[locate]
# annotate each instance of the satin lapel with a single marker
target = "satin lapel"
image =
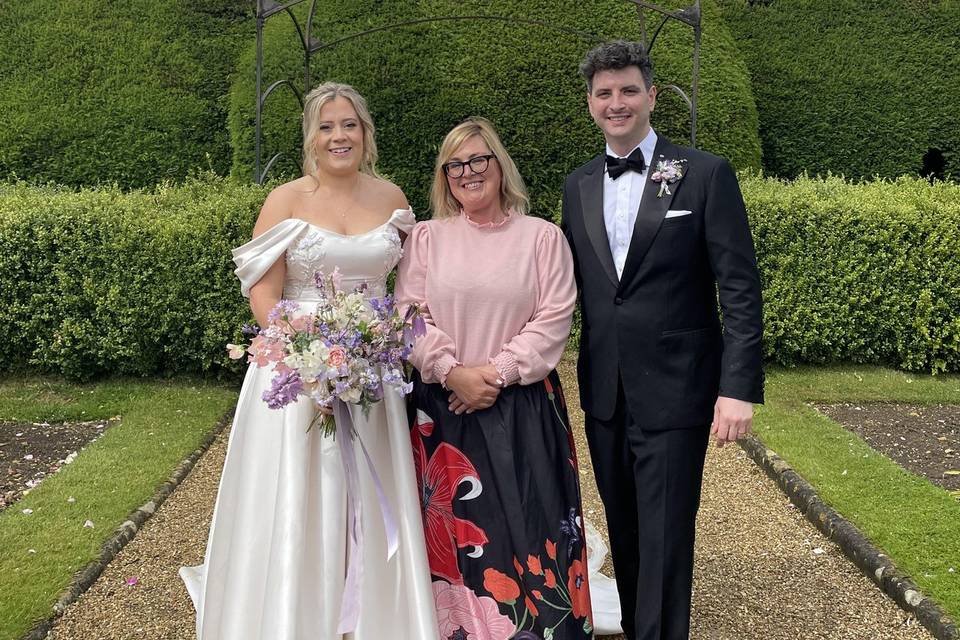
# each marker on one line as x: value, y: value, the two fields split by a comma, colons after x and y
x: 591, y: 204
x: 652, y: 210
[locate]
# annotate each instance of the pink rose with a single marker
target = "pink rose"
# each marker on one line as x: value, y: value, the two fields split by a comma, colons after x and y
x: 337, y: 357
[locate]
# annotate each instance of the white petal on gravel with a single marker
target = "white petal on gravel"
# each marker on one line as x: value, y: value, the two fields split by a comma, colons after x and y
x: 29, y: 456
x: 19, y: 433
x: 818, y: 551
x: 88, y: 524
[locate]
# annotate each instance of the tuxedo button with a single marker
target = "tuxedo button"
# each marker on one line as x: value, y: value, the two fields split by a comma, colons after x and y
x: 618, y: 300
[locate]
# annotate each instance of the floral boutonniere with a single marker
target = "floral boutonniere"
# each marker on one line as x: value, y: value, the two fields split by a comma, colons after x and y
x: 668, y: 172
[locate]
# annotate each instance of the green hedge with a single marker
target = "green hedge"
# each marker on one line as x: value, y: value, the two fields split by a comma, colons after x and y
x: 129, y: 92
x: 420, y: 81
x: 866, y: 273
x: 97, y: 283
x: 851, y: 87
x: 108, y: 283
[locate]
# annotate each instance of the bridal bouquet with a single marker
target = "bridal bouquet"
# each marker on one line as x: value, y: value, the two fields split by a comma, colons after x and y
x: 348, y: 348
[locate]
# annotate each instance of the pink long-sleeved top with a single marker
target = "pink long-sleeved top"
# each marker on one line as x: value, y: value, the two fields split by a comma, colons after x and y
x: 492, y: 293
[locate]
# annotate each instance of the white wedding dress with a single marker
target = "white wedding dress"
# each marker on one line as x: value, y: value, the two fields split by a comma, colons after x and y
x: 277, y: 552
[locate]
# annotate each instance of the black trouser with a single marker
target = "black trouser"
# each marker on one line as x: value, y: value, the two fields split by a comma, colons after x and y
x: 649, y: 482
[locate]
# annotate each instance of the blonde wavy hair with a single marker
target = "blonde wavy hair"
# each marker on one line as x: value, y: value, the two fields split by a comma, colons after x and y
x: 312, y: 105
x: 513, y: 192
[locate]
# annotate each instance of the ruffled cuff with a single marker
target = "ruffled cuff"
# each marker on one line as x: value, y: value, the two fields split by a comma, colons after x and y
x: 507, y: 367
x: 442, y: 367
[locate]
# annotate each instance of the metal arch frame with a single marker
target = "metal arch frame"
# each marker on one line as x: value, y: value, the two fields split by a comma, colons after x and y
x: 690, y: 16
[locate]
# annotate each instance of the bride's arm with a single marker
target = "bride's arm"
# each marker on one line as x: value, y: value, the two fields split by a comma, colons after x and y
x: 266, y: 293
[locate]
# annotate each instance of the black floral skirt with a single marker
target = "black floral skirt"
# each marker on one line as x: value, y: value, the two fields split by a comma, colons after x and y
x: 500, y: 495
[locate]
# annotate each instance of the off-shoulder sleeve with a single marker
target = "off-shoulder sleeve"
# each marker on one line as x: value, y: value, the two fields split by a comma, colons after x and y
x: 403, y: 220
x: 255, y: 258
x: 434, y: 354
x: 533, y: 353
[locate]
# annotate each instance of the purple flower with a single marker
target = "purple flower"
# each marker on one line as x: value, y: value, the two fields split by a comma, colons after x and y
x: 353, y: 340
x: 419, y: 326
x: 408, y: 337
x: 570, y: 527
x: 283, y: 390
x: 283, y: 308
x: 250, y: 330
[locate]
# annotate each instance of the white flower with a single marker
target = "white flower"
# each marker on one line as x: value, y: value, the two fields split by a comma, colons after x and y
x: 236, y: 351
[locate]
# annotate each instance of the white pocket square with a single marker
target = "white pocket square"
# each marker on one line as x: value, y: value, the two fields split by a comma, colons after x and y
x: 676, y: 213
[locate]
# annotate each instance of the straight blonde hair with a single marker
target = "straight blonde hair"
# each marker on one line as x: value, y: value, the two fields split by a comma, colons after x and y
x: 513, y: 193
x: 312, y: 105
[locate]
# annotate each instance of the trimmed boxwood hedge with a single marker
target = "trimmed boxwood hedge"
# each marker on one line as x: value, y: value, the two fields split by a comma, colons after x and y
x: 857, y: 88
x: 129, y: 92
x: 101, y: 282
x: 421, y: 80
x: 97, y: 283
x: 859, y: 272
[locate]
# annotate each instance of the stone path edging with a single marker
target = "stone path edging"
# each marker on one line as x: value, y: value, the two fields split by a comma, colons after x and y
x: 126, y: 532
x: 870, y: 560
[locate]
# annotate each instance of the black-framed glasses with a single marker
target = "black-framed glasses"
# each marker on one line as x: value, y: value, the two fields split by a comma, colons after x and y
x: 478, y: 164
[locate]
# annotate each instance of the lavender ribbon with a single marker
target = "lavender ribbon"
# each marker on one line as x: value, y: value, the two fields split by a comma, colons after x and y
x: 350, y: 603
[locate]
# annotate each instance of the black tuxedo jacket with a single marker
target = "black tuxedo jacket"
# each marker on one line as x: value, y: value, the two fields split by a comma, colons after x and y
x: 658, y: 327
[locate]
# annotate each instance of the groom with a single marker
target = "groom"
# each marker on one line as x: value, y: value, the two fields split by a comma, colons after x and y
x: 659, y: 235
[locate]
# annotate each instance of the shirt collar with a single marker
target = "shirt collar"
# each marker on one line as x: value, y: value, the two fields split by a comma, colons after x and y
x: 647, y: 146
x: 510, y: 214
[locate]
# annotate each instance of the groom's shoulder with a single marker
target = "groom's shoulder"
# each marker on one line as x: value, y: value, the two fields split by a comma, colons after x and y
x: 587, y: 167
x: 698, y: 157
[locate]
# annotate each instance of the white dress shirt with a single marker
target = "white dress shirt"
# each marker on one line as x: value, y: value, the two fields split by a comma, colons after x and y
x: 621, y: 202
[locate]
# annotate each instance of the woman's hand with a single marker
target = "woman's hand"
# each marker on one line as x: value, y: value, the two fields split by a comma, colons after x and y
x: 474, y: 388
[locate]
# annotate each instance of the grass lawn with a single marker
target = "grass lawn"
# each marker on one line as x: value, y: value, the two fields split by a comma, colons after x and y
x: 915, y: 522
x: 161, y: 423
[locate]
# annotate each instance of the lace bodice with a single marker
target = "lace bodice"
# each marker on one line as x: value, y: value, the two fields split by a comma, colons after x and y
x: 366, y: 257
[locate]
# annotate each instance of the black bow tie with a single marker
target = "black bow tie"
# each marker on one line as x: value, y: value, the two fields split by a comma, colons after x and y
x: 616, y: 167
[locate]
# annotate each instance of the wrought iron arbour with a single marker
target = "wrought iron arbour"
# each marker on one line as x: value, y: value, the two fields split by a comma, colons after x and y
x: 312, y: 45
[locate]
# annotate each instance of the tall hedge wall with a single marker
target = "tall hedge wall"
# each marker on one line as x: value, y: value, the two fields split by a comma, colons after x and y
x: 99, y: 283
x: 422, y: 80
x: 851, y: 87
x: 129, y: 92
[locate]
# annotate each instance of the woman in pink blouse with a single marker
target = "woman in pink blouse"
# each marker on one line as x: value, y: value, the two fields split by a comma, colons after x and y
x: 492, y: 444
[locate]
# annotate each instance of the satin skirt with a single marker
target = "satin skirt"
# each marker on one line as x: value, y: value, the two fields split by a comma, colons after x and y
x: 276, y: 555
x: 505, y: 535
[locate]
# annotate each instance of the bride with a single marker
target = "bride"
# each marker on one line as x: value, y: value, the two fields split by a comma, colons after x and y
x: 278, y: 550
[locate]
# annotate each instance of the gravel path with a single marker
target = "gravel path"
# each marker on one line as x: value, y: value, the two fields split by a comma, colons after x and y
x: 762, y: 570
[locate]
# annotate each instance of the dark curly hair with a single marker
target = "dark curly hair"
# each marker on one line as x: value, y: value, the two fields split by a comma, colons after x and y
x: 614, y: 55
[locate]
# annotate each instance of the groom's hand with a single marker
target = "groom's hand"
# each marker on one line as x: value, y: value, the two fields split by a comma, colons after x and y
x: 732, y: 419
x: 473, y: 388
